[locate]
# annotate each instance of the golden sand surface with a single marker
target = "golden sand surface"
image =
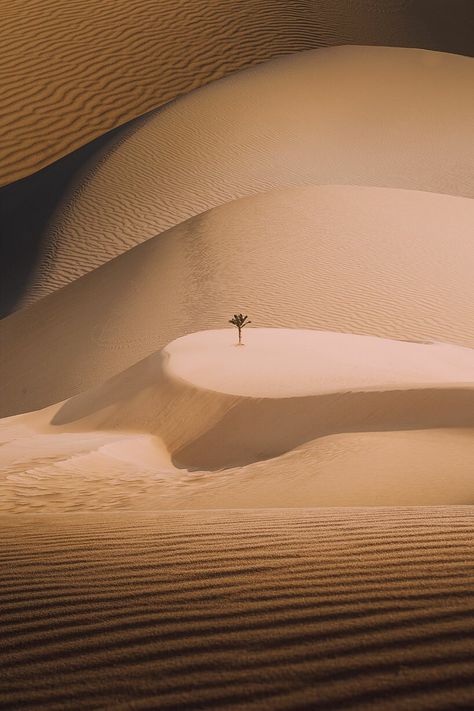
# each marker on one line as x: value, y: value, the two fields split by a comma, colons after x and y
x: 378, y: 116
x: 270, y: 609
x: 190, y: 524
x: 381, y: 262
x: 72, y: 71
x: 291, y: 418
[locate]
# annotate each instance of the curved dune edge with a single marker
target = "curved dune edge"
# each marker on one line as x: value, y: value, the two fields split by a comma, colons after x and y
x: 73, y: 72
x: 288, y: 415
x: 343, y: 120
x: 373, y: 261
x: 216, y: 405
x: 367, y: 607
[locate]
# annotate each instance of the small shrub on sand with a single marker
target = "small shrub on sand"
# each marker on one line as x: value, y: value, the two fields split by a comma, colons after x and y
x: 240, y: 322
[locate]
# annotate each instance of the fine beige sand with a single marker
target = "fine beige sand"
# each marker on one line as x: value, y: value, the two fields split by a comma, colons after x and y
x: 188, y: 523
x: 290, y: 413
x: 382, y: 262
x: 375, y: 116
x: 71, y: 71
x: 317, y: 608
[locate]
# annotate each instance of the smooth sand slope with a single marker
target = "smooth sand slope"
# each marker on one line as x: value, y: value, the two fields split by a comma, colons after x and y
x: 348, y: 115
x: 326, y: 609
x: 380, y: 262
x: 284, y: 412
x: 71, y: 71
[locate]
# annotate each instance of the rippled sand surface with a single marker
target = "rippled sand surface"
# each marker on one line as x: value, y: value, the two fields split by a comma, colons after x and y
x: 181, y: 529
x: 72, y: 71
x: 378, y: 116
x: 328, y: 608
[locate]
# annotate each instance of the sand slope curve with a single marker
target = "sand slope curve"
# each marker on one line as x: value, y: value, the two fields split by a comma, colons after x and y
x: 215, y: 404
x: 72, y: 71
x: 375, y: 116
x: 288, y: 415
x: 380, y: 262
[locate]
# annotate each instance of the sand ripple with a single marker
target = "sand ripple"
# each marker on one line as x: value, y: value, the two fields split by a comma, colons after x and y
x: 72, y: 71
x: 333, y: 608
x: 376, y: 116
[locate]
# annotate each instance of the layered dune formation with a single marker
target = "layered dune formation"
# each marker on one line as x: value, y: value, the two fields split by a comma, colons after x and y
x: 189, y: 523
x: 204, y: 404
x: 71, y: 72
x: 376, y: 116
x: 380, y: 262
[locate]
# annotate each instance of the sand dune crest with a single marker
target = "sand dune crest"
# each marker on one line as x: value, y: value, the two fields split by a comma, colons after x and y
x: 72, y: 71
x: 380, y: 262
x: 399, y: 118
x: 290, y: 411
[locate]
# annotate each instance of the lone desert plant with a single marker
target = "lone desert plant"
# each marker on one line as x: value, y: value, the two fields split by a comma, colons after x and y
x: 240, y: 322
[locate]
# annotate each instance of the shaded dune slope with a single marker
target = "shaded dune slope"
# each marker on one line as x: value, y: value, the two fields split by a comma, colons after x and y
x: 335, y: 609
x: 26, y: 207
x: 196, y: 397
x: 71, y: 72
x: 239, y: 136
x: 392, y: 263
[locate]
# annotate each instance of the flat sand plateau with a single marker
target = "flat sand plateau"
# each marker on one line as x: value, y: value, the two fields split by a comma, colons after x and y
x: 271, y: 609
x: 72, y: 71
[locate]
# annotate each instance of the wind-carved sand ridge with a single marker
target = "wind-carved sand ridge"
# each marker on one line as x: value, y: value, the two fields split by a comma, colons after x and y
x: 188, y: 523
x: 206, y: 404
x: 321, y: 608
x: 378, y: 116
x: 72, y: 71
x: 374, y: 261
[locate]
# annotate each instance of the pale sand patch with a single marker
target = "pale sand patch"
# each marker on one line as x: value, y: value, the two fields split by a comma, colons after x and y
x: 379, y: 116
x: 285, y: 363
x: 374, y: 261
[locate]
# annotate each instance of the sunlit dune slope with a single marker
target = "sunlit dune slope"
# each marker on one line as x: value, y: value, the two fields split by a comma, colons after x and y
x: 381, y: 262
x: 71, y: 71
x: 277, y: 391
x: 348, y: 115
x: 257, y: 610
x: 289, y: 414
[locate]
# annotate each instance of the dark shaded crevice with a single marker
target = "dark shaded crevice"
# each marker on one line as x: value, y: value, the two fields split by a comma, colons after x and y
x: 26, y: 207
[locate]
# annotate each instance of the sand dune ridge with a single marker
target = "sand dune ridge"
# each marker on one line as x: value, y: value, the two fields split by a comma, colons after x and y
x: 389, y: 123
x: 72, y: 71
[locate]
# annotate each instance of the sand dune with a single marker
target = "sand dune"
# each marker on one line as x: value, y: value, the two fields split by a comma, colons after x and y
x: 70, y: 72
x: 334, y: 609
x: 380, y: 262
x: 348, y: 115
x: 289, y: 413
x: 101, y: 471
x: 286, y: 524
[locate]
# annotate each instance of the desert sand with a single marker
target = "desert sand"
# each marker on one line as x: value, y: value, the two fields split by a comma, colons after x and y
x: 186, y: 523
x: 399, y: 118
x: 71, y: 72
x: 286, y: 412
x: 336, y: 608
x: 381, y: 262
